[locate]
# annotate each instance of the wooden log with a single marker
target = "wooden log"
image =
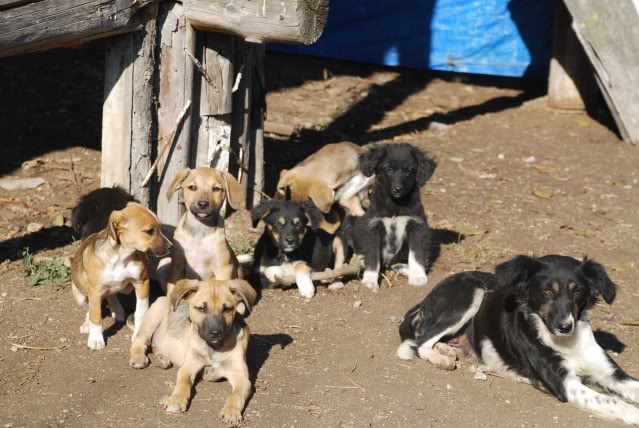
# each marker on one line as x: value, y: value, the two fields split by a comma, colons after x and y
x: 175, y: 90
x: 288, y: 21
x: 571, y: 83
x: 610, y: 38
x: 48, y: 24
x: 127, y: 122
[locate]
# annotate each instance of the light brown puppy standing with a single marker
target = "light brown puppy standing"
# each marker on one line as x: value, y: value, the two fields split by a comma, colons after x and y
x: 328, y: 176
x: 111, y: 261
x: 196, y: 328
x: 201, y: 250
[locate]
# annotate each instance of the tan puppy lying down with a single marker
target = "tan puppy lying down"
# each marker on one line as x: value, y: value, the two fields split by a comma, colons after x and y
x: 328, y: 176
x: 111, y: 261
x: 200, y: 327
x: 201, y: 249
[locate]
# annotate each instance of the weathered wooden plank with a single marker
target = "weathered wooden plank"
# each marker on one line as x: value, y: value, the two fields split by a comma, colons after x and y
x: 127, y: 123
x: 52, y: 23
x: 289, y: 21
x: 571, y: 83
x: 610, y: 38
x: 175, y: 89
x: 241, y: 116
x: 9, y: 4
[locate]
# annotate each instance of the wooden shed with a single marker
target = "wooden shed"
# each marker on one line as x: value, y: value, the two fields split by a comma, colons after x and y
x: 184, y: 81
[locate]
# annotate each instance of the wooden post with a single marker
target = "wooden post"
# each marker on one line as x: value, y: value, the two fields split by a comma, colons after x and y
x: 127, y: 122
x: 571, y: 83
x: 258, y: 109
x: 175, y: 89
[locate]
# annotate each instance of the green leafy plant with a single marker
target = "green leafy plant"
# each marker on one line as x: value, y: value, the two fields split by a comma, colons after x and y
x: 51, y: 271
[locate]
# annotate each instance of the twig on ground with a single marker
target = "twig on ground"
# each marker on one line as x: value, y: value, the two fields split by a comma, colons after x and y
x: 351, y: 380
x: 168, y: 142
x: 17, y: 346
x: 22, y: 299
x: 354, y: 267
x: 631, y: 323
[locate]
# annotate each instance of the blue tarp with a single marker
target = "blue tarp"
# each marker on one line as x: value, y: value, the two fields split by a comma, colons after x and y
x: 498, y: 37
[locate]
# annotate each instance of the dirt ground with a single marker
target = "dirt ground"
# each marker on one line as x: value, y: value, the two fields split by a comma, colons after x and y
x: 513, y: 177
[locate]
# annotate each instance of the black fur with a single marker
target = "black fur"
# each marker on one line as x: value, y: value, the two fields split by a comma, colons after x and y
x: 92, y: 212
x: 523, y: 289
x: 400, y: 170
x: 288, y: 242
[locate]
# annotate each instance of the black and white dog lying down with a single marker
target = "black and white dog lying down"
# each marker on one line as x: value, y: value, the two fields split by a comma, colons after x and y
x: 530, y: 322
x: 394, y: 229
x: 292, y: 243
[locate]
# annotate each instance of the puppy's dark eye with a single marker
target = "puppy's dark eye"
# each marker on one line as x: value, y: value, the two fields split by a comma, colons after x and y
x: 227, y: 308
x: 549, y: 291
x: 201, y: 308
x: 388, y: 170
x: 217, y: 189
x: 578, y: 292
x: 192, y: 188
x: 150, y: 232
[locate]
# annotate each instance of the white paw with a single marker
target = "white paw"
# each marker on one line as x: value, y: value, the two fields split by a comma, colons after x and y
x: 369, y: 280
x: 418, y: 280
x: 272, y: 273
x: 371, y: 285
x: 306, y: 289
x: 84, y: 328
x: 173, y: 405
x: 96, y: 342
x: 401, y: 269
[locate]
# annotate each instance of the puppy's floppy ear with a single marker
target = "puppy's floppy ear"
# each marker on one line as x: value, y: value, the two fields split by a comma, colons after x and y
x: 369, y: 159
x: 516, y: 272
x: 244, y: 293
x: 314, y: 215
x: 234, y: 193
x: 177, y: 182
x: 322, y: 196
x: 283, y: 185
x: 261, y: 211
x: 116, y: 223
x: 425, y: 166
x: 596, y: 275
x: 182, y: 290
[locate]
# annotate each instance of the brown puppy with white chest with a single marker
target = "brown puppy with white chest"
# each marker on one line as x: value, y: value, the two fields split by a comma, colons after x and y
x: 201, y: 250
x: 328, y: 176
x: 111, y: 261
x: 196, y: 328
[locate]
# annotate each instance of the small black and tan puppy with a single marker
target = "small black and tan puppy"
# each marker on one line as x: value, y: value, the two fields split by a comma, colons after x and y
x: 92, y: 212
x: 394, y: 228
x: 292, y: 243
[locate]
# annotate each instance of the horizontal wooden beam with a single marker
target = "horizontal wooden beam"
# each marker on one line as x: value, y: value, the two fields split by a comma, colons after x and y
x: 286, y: 21
x: 47, y: 24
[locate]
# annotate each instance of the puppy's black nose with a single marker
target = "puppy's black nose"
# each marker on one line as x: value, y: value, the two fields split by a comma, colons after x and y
x: 215, y: 334
x: 203, y: 204
x: 566, y: 328
x: 289, y: 239
x: 397, y: 189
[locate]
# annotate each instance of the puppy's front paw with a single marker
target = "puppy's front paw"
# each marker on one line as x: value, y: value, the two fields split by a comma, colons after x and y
x: 371, y: 285
x: 272, y: 273
x: 96, y: 342
x: 138, y: 361
x: 173, y: 405
x: 231, y: 413
x: 369, y: 280
x: 163, y: 362
x: 84, y: 328
x: 417, y: 280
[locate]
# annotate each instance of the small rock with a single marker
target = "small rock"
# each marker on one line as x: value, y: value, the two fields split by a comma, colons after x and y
x: 529, y: 159
x: 4, y: 294
x: 438, y: 126
x: 34, y: 227
x: 501, y: 156
x: 448, y: 386
x: 15, y: 348
x: 27, y: 165
x: 336, y: 286
x: 58, y: 220
x: 479, y: 375
x: 21, y: 183
x: 394, y: 318
x: 456, y: 159
x: 357, y: 304
x: 507, y: 401
x: 90, y: 380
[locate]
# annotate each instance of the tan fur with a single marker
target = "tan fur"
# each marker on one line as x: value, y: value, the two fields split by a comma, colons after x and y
x: 320, y: 177
x: 111, y: 261
x: 176, y: 337
x: 201, y: 249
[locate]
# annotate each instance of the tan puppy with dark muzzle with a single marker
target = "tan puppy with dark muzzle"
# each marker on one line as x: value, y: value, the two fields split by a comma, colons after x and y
x: 111, y: 261
x: 201, y: 250
x: 200, y: 327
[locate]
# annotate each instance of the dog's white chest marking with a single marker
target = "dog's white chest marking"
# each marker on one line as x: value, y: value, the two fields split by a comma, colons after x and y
x: 120, y: 271
x: 395, y: 235
x: 199, y: 253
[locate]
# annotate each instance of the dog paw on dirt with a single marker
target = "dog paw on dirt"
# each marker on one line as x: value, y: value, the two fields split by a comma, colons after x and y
x: 174, y: 405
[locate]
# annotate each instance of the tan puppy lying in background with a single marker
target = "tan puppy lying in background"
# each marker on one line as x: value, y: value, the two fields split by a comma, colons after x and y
x: 196, y: 328
x: 328, y: 176
x: 111, y: 261
x: 201, y: 250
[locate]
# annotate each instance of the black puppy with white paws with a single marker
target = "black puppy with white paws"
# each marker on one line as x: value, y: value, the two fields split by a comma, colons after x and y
x: 530, y: 321
x: 292, y: 243
x: 394, y: 229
